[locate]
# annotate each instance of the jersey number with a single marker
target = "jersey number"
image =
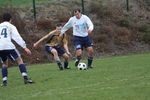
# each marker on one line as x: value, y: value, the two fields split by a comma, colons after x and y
x: 4, y: 32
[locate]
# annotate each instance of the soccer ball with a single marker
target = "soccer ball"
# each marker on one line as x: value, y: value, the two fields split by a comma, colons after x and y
x: 82, y: 66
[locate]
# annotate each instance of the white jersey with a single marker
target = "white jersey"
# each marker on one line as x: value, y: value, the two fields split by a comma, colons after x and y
x: 7, y: 33
x: 80, y: 26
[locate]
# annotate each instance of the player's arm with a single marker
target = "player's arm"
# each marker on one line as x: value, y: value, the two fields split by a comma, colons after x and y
x: 66, y: 27
x: 65, y: 42
x: 66, y: 49
x: 90, y: 25
x: 42, y: 39
x: 18, y: 39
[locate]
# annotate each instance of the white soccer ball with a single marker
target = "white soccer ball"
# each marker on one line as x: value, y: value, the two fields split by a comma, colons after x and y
x: 82, y: 66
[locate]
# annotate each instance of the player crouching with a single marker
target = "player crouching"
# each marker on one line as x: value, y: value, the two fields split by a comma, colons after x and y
x: 53, y: 46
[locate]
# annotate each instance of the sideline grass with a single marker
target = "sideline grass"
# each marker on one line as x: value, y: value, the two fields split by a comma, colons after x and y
x: 21, y: 2
x: 5, y: 3
x: 114, y: 78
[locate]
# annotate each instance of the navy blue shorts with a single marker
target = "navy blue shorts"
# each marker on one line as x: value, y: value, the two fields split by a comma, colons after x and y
x: 59, y: 50
x: 82, y: 42
x: 12, y: 54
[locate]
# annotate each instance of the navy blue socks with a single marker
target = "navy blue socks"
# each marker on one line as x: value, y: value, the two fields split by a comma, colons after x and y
x: 4, y: 73
x: 90, y: 60
x: 23, y: 70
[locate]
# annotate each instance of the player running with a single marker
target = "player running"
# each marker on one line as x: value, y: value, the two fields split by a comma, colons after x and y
x: 9, y: 32
x: 82, y: 28
x: 53, y: 48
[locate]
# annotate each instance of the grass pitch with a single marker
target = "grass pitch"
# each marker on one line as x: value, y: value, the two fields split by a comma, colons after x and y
x: 114, y: 78
x: 5, y: 3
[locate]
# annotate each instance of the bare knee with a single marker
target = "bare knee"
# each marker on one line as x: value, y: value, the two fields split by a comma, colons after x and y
x: 54, y: 52
x: 78, y: 52
x: 90, y: 51
x: 19, y: 60
x: 66, y: 56
x: 5, y: 64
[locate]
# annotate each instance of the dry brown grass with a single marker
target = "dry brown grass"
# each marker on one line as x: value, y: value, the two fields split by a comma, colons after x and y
x: 45, y: 24
x: 123, y: 36
x: 16, y: 19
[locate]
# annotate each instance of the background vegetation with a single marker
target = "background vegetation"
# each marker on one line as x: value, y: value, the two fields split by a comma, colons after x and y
x: 117, y: 31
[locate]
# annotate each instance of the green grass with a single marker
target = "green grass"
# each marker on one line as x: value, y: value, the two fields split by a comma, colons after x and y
x: 21, y: 2
x: 114, y: 78
x: 16, y: 3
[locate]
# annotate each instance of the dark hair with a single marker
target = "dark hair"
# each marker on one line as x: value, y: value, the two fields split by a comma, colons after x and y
x: 58, y: 25
x: 76, y: 10
x: 6, y: 17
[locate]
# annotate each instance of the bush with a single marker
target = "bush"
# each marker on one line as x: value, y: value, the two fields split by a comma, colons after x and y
x: 144, y: 28
x: 123, y: 37
x: 98, y: 9
x: 16, y: 19
x: 124, y: 23
x: 106, y: 30
x: 45, y: 24
x: 146, y: 33
x: 63, y: 18
x: 146, y: 37
x: 101, y: 38
x: 102, y: 47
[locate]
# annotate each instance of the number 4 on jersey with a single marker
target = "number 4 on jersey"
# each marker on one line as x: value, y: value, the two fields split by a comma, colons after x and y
x: 4, y: 32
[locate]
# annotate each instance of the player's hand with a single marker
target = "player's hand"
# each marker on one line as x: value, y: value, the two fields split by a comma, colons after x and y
x: 27, y: 51
x: 68, y: 53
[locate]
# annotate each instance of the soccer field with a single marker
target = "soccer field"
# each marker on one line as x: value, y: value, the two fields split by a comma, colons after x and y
x: 113, y: 78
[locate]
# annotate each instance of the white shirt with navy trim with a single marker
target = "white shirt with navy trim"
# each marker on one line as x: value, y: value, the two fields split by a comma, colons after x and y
x: 7, y: 33
x: 80, y: 26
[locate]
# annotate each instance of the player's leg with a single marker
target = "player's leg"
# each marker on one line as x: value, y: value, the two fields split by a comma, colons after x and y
x: 62, y: 53
x: 4, y: 62
x: 56, y: 58
x: 78, y: 48
x: 14, y: 54
x: 4, y: 73
x: 53, y: 51
x: 23, y: 70
x: 90, y: 56
x: 89, y: 47
x: 78, y: 56
x: 66, y: 63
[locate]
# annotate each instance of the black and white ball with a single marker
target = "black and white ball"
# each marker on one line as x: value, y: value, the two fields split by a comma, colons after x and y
x: 82, y: 66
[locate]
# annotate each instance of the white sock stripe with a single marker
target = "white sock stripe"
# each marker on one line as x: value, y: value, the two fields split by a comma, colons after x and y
x: 24, y: 74
x: 1, y: 60
x: 5, y: 78
x: 17, y: 53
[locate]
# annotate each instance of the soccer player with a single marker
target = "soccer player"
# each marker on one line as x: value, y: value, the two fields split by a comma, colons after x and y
x: 9, y: 32
x: 82, y: 29
x: 53, y: 48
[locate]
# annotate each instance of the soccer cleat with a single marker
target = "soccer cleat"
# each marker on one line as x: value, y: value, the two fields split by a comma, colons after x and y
x: 76, y: 62
x: 90, y: 67
x: 67, y: 67
x: 60, y: 67
x: 26, y: 81
x: 4, y: 83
